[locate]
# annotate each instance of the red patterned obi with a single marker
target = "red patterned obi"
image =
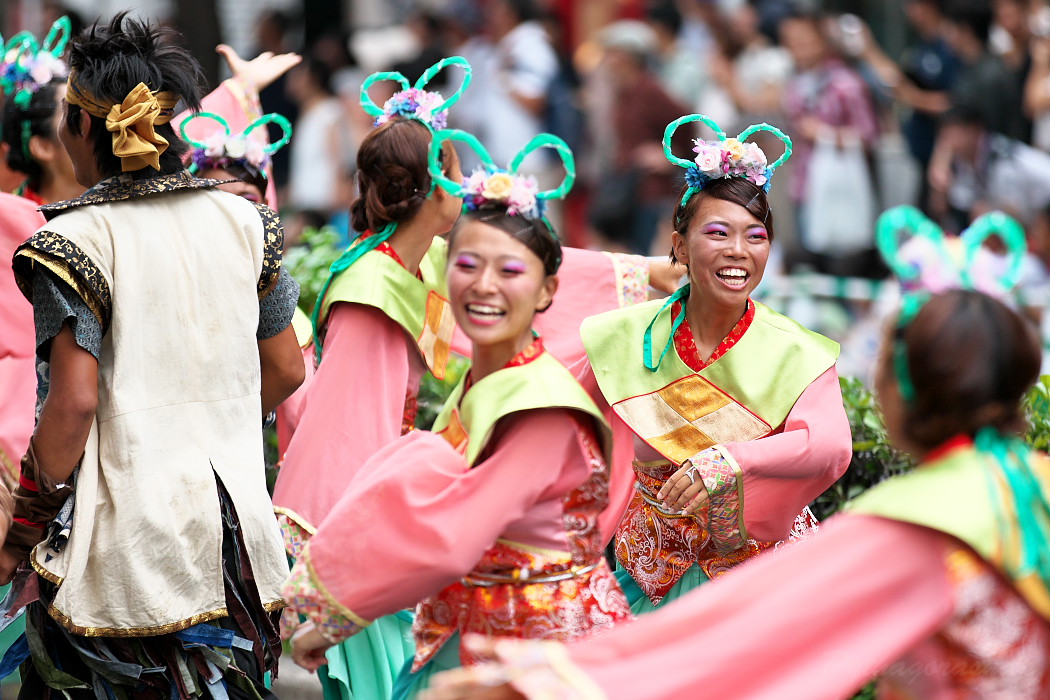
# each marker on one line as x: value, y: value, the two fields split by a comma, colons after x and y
x: 657, y: 548
x: 526, y: 593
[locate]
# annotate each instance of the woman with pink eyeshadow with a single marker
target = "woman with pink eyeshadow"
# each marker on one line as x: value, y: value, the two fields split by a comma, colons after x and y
x: 936, y: 580
x: 491, y: 521
x: 729, y: 412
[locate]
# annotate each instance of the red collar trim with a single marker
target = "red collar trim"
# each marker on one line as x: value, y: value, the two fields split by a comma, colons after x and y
x: 30, y: 194
x: 529, y: 354
x: 386, y: 249
x: 685, y: 343
x: 956, y: 443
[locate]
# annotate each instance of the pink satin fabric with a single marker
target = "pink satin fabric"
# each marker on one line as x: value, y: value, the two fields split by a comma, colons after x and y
x: 18, y: 220
x: 418, y: 518
x: 819, y: 619
x: 353, y: 407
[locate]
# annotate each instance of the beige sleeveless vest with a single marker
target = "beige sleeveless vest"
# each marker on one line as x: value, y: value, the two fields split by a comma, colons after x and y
x: 179, y: 406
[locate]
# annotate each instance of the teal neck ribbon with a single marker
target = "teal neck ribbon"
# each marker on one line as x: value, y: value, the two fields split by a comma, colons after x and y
x: 647, y: 338
x: 342, y: 263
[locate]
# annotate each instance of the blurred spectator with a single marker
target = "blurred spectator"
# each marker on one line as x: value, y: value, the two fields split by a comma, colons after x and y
x: 1037, y: 86
x: 824, y: 99
x: 271, y: 34
x: 679, y: 66
x: 1011, y: 28
x: 428, y: 27
x: 975, y: 170
x: 751, y: 69
x: 563, y: 115
x: 513, y: 87
x: 321, y: 145
x: 635, y: 199
x: 985, y: 84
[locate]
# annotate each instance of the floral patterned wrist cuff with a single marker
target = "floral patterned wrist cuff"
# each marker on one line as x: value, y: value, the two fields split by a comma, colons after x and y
x: 632, y: 278
x: 725, y: 491
x: 304, y: 594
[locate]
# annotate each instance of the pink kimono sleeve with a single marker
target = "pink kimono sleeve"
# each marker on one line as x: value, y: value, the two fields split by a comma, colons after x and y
x: 757, y: 488
x: 239, y: 105
x: 816, y: 621
x: 421, y: 518
x: 589, y: 282
x: 18, y: 220
x: 354, y: 407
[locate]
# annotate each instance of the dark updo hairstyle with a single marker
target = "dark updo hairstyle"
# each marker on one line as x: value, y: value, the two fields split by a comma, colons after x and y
x: 20, y: 124
x: 110, y: 59
x: 728, y: 189
x: 534, y: 234
x: 971, y: 359
x: 392, y: 176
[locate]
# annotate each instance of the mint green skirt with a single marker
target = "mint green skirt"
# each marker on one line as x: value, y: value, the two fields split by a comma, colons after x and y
x: 640, y: 604
x: 366, y: 666
x: 409, y: 685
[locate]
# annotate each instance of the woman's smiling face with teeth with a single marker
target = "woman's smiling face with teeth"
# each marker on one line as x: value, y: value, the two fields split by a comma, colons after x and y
x: 726, y: 249
x: 496, y: 285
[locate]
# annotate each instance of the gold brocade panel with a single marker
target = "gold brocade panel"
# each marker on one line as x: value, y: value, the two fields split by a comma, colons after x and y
x: 688, y: 416
x: 435, y: 341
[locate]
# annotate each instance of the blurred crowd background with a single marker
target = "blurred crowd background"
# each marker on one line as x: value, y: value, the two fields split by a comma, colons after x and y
x: 944, y: 104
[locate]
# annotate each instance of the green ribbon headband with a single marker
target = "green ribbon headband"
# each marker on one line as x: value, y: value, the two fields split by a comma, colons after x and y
x: 912, y: 223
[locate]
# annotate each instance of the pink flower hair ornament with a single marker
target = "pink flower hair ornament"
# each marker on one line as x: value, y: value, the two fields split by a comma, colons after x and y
x: 492, y: 187
x: 725, y: 157
x: 27, y: 65
x: 413, y: 101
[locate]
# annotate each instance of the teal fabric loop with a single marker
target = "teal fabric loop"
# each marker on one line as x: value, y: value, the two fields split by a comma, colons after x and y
x: 671, y: 128
x: 431, y: 72
x: 1030, y: 504
x: 784, y: 139
x: 437, y: 174
x: 342, y: 263
x: 279, y: 120
x: 647, y: 338
x: 995, y: 223
x: 58, y: 36
x: 367, y: 103
x: 564, y: 153
x: 202, y: 115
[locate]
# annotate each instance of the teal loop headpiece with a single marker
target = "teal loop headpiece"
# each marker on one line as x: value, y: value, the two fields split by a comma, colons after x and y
x: 932, y: 263
x: 492, y: 187
x: 28, y: 65
x: 222, y: 148
x: 413, y: 101
x: 725, y: 157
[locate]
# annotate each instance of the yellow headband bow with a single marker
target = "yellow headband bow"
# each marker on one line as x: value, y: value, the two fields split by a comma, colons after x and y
x: 132, y: 122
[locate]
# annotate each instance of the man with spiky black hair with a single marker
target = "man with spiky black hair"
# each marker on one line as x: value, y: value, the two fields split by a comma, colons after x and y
x: 163, y: 334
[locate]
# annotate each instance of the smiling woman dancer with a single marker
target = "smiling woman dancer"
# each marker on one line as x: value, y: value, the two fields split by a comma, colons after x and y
x: 937, y: 579
x: 491, y: 521
x: 723, y: 395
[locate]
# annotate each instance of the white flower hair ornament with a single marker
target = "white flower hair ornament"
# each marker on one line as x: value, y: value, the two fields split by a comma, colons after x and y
x: 725, y: 157
x: 222, y: 148
x: 414, y: 101
x: 492, y: 187
x: 927, y: 263
x: 27, y: 65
